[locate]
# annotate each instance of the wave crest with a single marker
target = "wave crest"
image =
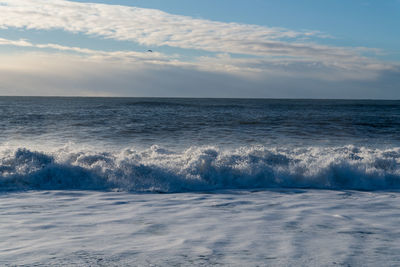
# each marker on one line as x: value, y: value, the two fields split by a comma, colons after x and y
x: 201, y: 168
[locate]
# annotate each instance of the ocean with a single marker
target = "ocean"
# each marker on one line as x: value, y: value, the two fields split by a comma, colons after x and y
x: 183, y: 182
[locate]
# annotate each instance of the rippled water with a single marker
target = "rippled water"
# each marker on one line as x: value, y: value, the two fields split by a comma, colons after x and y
x: 237, y: 228
x: 193, y: 122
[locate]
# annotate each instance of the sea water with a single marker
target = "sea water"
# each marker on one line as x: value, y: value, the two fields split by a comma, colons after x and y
x: 160, y: 182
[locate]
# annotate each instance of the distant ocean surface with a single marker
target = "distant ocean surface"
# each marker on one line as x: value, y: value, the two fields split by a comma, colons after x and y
x: 294, y: 182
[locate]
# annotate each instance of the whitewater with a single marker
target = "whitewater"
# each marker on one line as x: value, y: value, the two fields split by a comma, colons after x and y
x: 201, y: 168
x: 183, y: 182
x: 234, y: 228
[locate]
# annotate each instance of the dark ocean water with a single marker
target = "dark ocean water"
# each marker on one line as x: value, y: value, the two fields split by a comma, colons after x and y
x: 159, y: 144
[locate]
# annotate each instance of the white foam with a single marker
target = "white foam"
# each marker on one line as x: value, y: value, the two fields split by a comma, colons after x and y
x: 231, y: 228
x: 200, y: 168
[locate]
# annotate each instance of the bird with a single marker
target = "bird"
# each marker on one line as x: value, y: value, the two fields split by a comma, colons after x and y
x: 150, y: 50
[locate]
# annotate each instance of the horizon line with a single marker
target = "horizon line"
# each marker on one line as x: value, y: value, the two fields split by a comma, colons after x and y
x: 194, y: 97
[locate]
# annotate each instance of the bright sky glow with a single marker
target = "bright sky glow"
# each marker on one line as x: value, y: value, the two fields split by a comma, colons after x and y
x: 294, y: 49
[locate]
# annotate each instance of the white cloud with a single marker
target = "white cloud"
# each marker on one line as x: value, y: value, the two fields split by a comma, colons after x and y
x: 152, y: 27
x: 127, y: 56
x: 20, y: 42
x: 348, y: 68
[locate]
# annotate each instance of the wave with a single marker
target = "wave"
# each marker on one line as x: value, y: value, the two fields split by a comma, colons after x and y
x: 201, y: 169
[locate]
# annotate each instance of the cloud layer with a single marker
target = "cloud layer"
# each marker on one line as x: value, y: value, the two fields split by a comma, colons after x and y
x: 150, y: 27
x: 59, y: 74
x: 244, y: 60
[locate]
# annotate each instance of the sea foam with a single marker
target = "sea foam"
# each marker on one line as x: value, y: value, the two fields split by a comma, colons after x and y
x: 201, y: 169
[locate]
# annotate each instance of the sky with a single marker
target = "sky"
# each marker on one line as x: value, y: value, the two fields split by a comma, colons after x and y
x: 211, y: 48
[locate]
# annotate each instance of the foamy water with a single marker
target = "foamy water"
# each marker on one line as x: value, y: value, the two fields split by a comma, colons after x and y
x: 201, y: 168
x: 233, y: 228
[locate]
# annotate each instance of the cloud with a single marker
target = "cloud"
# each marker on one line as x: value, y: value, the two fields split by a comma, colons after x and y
x: 150, y: 27
x: 250, y: 67
x: 127, y: 56
x: 145, y: 26
x: 38, y: 73
x: 244, y: 60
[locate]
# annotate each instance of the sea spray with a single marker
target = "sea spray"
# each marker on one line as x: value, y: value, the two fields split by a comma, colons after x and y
x: 201, y: 168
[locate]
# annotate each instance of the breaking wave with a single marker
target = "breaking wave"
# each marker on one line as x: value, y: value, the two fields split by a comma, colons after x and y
x: 201, y: 169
